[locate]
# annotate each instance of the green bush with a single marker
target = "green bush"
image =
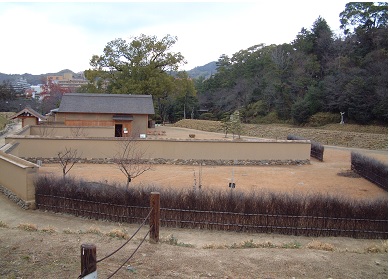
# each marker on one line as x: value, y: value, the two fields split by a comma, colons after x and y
x: 301, y: 111
x: 270, y: 118
x: 207, y: 116
x: 323, y: 118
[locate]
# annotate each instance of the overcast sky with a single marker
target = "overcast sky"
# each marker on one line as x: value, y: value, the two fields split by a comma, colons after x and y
x: 45, y: 37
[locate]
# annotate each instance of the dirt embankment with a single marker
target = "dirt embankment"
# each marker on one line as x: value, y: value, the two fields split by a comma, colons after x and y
x: 356, y: 136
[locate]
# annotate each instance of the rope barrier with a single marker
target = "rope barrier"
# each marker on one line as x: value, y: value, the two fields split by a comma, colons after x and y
x: 125, y: 243
x: 88, y: 251
x: 129, y: 258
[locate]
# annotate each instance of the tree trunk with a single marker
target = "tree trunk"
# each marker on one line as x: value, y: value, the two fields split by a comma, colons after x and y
x: 128, y: 182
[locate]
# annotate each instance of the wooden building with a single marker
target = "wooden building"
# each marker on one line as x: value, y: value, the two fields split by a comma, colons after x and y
x: 129, y: 114
x: 29, y: 116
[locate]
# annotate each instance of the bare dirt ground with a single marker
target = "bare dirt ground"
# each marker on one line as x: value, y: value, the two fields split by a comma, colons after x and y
x: 322, y: 177
x: 36, y: 244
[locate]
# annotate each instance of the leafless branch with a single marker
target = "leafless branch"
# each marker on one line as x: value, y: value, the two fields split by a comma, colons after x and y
x: 67, y: 159
x: 78, y: 132
x: 130, y: 159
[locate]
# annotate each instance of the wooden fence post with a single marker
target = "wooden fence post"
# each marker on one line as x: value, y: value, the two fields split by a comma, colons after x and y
x: 88, y: 261
x: 154, y: 217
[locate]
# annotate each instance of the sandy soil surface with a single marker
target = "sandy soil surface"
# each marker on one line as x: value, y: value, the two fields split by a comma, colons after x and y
x: 36, y: 244
x: 322, y: 177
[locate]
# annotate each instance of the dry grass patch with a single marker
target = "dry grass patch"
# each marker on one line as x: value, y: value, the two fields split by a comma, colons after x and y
x: 3, y: 225
x: 382, y: 248
x: 359, y: 136
x: 68, y: 231
x: 118, y: 233
x: 172, y: 240
x: 28, y: 227
x: 49, y: 229
x: 94, y: 230
x: 247, y: 244
x: 318, y: 245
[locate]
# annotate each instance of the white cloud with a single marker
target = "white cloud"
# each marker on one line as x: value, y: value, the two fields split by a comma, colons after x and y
x: 36, y: 45
x: 48, y: 37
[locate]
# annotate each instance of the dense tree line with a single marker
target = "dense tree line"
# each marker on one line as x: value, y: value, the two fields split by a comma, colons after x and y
x: 317, y: 72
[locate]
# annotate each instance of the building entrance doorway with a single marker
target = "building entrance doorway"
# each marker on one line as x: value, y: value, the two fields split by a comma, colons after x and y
x: 118, y: 130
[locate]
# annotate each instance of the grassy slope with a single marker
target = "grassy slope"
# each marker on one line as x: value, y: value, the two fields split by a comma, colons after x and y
x: 357, y: 136
x: 3, y: 122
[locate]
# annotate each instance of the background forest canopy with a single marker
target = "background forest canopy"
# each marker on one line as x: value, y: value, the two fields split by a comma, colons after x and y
x: 317, y: 74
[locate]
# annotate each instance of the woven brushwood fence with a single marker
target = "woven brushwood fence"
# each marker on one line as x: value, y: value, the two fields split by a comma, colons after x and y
x: 226, y: 211
x: 371, y: 169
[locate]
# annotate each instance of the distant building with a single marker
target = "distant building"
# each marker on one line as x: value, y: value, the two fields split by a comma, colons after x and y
x: 68, y: 80
x: 33, y: 92
x: 20, y: 85
x: 29, y: 116
x: 36, y: 91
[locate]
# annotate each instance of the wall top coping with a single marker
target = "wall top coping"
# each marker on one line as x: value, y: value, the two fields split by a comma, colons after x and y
x: 37, y: 137
x: 17, y: 161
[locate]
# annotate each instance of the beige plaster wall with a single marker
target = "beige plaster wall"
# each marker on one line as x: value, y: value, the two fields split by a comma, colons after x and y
x: 139, y: 125
x: 29, y: 121
x: 17, y: 176
x: 24, y: 131
x: 33, y: 147
x: 73, y: 131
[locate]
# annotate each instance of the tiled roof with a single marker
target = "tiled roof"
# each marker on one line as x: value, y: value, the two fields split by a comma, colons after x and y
x: 28, y: 111
x: 106, y: 103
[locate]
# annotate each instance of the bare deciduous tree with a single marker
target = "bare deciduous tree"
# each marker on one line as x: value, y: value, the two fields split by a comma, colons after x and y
x: 78, y: 132
x: 46, y: 130
x: 67, y: 159
x: 130, y: 159
x: 236, y: 126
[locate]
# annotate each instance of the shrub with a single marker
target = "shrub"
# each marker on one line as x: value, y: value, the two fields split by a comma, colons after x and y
x: 207, y: 116
x: 323, y: 118
x: 270, y: 118
x: 301, y: 111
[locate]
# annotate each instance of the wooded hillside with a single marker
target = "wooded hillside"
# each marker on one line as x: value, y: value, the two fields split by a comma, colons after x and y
x: 317, y: 72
